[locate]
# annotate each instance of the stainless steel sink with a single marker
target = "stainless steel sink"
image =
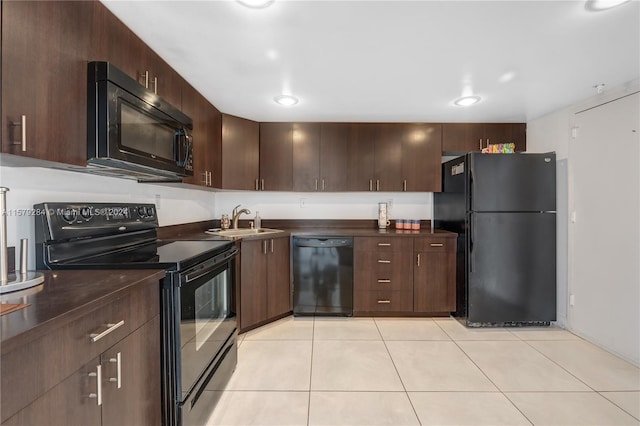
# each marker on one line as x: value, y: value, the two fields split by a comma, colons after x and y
x: 240, y: 233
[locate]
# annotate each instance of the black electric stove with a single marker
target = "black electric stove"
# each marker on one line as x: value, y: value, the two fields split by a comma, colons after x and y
x: 198, y: 316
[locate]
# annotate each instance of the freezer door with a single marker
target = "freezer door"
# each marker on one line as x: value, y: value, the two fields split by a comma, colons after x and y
x: 512, y: 268
x: 512, y: 182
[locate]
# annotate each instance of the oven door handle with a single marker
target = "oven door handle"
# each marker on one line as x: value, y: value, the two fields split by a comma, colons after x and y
x: 209, y: 265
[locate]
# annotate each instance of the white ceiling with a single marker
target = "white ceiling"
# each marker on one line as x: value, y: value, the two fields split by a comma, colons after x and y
x: 391, y: 61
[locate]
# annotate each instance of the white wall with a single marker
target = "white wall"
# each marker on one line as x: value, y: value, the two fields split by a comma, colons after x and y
x: 33, y: 185
x: 310, y: 205
x: 553, y: 133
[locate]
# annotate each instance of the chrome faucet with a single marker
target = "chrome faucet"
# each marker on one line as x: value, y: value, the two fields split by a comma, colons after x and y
x: 236, y: 214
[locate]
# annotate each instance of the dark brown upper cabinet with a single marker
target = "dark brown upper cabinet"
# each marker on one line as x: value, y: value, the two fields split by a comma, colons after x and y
x: 45, y: 46
x: 207, y: 139
x: 306, y: 157
x: 421, y: 157
x: 241, y: 153
x: 466, y: 137
x: 334, y: 148
x: 276, y: 157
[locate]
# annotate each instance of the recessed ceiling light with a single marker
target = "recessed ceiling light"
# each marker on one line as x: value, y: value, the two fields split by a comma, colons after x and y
x: 467, y: 100
x: 598, y: 5
x: 255, y: 4
x: 286, y: 100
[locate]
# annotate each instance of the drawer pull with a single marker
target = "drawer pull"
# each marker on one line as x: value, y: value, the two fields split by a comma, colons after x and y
x: 383, y: 261
x: 118, y: 378
x: 436, y: 245
x: 384, y: 244
x: 418, y: 259
x: 98, y: 376
x: 384, y: 281
x: 384, y: 301
x: 111, y: 327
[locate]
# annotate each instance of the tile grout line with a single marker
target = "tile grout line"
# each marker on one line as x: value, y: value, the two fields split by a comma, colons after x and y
x: 384, y: 342
x: 485, y: 374
x: 313, y: 339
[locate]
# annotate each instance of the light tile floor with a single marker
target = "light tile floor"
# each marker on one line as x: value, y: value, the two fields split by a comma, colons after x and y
x: 423, y: 371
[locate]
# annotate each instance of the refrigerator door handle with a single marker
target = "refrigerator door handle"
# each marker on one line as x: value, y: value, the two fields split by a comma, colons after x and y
x: 471, y: 234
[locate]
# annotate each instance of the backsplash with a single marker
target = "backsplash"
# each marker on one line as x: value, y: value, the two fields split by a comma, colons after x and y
x: 309, y: 205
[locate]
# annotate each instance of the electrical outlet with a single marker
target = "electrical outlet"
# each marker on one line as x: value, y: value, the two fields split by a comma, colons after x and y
x: 303, y: 203
x: 572, y: 300
x: 157, y: 201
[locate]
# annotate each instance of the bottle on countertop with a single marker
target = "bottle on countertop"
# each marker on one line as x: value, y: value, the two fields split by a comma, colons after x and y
x: 257, y: 221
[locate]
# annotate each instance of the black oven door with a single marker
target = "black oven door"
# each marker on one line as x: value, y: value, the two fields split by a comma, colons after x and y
x: 205, y: 332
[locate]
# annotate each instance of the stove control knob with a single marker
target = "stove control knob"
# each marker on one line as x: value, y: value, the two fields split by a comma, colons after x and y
x: 69, y: 215
x: 150, y: 211
x: 85, y: 213
x: 141, y: 211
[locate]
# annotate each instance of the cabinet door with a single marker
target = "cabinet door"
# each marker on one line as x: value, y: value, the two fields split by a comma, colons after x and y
x: 133, y: 396
x: 497, y: 133
x: 421, y: 157
x: 462, y: 137
x: 360, y: 158
x: 388, y: 157
x: 279, y: 278
x: 276, y: 157
x: 163, y: 79
x: 306, y: 157
x: 253, y: 283
x: 434, y: 275
x: 207, y: 139
x: 71, y: 402
x: 44, y: 77
x: 334, y: 148
x: 241, y: 153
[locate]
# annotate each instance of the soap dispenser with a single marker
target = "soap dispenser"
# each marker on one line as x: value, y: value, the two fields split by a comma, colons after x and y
x: 257, y: 221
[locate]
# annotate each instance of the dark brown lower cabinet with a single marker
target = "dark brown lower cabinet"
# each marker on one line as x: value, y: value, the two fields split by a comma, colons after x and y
x: 434, y: 288
x: 120, y: 387
x: 265, y: 284
x: 404, y: 275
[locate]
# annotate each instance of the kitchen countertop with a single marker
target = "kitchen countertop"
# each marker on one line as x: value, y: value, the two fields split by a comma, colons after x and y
x: 64, y: 296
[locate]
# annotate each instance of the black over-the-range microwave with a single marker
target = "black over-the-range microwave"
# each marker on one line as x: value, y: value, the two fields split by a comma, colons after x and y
x: 132, y: 132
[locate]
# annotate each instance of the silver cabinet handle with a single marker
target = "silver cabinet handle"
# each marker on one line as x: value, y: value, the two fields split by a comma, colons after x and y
x: 206, y: 176
x: 404, y: 185
x: 487, y: 143
x: 98, y: 376
x: 316, y: 184
x: 210, y: 173
x: 272, y: 245
x: 118, y: 378
x: 262, y: 184
x: 264, y: 247
x: 377, y: 184
x: 155, y: 85
x: 384, y: 281
x: 383, y: 261
x: 481, y: 144
x: 383, y: 301
x: 370, y: 184
x: 418, y: 259
x: 384, y: 244
x: 110, y: 328
x: 436, y: 245
x: 257, y: 186
x: 323, y: 184
x: 23, y: 132
x: 144, y: 76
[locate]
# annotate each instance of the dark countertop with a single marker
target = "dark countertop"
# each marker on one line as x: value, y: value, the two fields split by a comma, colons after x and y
x: 64, y: 296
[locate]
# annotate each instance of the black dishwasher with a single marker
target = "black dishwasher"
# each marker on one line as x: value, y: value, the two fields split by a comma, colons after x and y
x: 322, y: 276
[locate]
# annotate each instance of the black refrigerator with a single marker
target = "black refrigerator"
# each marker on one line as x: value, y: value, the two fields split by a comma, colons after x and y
x: 503, y: 207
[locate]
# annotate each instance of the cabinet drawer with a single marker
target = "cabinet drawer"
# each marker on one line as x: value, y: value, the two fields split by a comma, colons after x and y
x: 45, y: 362
x: 383, y: 244
x: 383, y: 301
x: 373, y: 271
x: 435, y: 244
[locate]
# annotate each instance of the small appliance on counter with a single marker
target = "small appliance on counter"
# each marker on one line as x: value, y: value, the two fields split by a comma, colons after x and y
x: 383, y: 217
x: 21, y: 279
